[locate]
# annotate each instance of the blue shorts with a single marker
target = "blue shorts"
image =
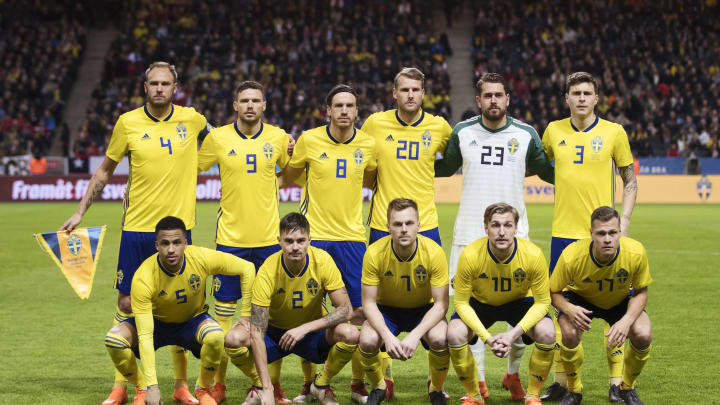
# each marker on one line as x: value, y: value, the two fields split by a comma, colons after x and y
x: 348, y: 257
x: 511, y: 312
x: 135, y: 247
x: 610, y: 316
x: 556, y: 248
x: 314, y: 347
x: 404, y: 319
x: 176, y: 334
x: 433, y: 234
x: 227, y: 288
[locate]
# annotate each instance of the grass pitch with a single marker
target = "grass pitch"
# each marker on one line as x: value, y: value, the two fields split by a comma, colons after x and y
x: 53, y: 349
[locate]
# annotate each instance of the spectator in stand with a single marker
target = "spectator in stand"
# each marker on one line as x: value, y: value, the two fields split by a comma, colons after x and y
x: 38, y: 164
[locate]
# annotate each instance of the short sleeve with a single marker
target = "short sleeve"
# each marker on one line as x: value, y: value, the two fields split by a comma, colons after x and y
x: 207, y: 156
x: 283, y: 155
x: 299, y: 157
x: 369, y: 270
x: 445, y: 136
x: 439, y: 276
x: 642, y: 277
x: 118, y: 146
x: 621, y: 151
x: 561, y: 274
x: 141, y: 291
x: 331, y: 273
x: 263, y: 288
x: 547, y: 145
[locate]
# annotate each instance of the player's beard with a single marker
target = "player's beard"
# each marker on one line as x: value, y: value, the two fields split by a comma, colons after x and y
x: 494, y: 117
x: 407, y: 111
x: 159, y: 106
x: 249, y: 123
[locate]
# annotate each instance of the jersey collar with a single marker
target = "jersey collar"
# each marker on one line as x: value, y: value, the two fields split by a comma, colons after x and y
x: 597, y: 119
x: 307, y: 262
x: 252, y: 137
x: 172, y: 110
x: 170, y: 274
x: 327, y: 130
x: 412, y: 256
x: 504, y: 127
x: 509, y: 259
x: 416, y: 123
x: 617, y: 254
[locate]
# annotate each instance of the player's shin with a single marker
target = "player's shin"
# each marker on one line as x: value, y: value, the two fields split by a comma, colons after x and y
x: 439, y: 364
x: 635, y: 360
x: 274, y: 369
x: 358, y: 375
x: 179, y: 358
x: 560, y: 376
x: 372, y: 365
x: 540, y: 362
x: 464, y: 364
x: 211, y: 337
x: 386, y: 365
x: 122, y: 356
x: 340, y: 354
x: 309, y: 369
x: 119, y: 317
x: 478, y: 352
x: 224, y: 312
x: 242, y: 359
x: 573, y: 360
x: 515, y: 356
x: 615, y: 357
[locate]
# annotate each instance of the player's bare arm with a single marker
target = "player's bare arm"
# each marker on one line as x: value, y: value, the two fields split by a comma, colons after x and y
x: 374, y: 317
x: 577, y: 315
x: 630, y: 188
x: 434, y: 315
x: 620, y: 330
x: 341, y: 314
x: 258, y: 325
x: 369, y: 178
x: 97, y: 184
x: 288, y: 175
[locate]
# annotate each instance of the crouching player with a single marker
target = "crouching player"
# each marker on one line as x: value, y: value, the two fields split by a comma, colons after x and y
x: 168, y: 300
x: 404, y: 289
x: 288, y: 315
x: 592, y: 279
x: 501, y: 278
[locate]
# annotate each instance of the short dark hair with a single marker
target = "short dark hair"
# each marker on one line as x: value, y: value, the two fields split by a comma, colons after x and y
x: 249, y: 84
x: 169, y: 224
x: 603, y: 214
x: 500, y: 208
x: 165, y: 65
x: 410, y: 73
x: 294, y: 221
x: 580, y: 77
x: 489, y: 78
x: 340, y: 88
x: 400, y: 204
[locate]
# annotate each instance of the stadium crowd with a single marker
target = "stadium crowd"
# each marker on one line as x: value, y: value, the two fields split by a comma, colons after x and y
x: 41, y: 46
x: 297, y: 50
x: 658, y: 63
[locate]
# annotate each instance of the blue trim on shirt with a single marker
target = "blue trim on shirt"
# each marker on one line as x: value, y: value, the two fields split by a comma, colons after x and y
x: 617, y: 254
x: 169, y: 273
x: 416, y: 123
x: 597, y: 119
x: 307, y: 263
x: 509, y: 259
x: 252, y: 137
x: 172, y: 110
x: 327, y: 130
x: 409, y: 259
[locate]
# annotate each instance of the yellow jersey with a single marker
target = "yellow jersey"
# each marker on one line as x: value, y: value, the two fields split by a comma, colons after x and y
x: 248, y: 215
x: 493, y: 282
x: 162, y: 154
x: 405, y: 283
x: 332, y: 196
x: 406, y: 163
x: 296, y: 300
x: 604, y: 286
x: 584, y: 171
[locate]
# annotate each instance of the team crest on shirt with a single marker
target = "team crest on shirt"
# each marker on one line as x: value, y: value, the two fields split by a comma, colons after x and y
x: 74, y: 244
x: 181, y: 130
x: 426, y: 139
x: 119, y: 276
x: 420, y: 273
x: 194, y: 282
x: 312, y: 287
x: 597, y: 144
x: 513, y: 145
x: 358, y: 155
x: 621, y: 276
x: 216, y: 284
x: 268, y: 150
x: 519, y: 275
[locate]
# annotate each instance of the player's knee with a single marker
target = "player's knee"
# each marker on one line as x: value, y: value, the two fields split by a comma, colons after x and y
x: 235, y: 338
x: 369, y: 342
x: 641, y: 336
x: 437, y: 339
x: 347, y: 333
x: 456, y: 336
x: 570, y: 338
x: 545, y: 334
x: 214, y: 339
x: 124, y: 303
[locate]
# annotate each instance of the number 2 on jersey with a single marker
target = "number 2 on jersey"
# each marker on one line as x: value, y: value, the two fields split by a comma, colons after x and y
x: 408, y: 150
x: 297, y: 299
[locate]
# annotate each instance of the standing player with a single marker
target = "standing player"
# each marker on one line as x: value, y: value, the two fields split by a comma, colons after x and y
x: 247, y: 152
x: 408, y: 140
x: 160, y: 140
x: 168, y: 299
x: 586, y: 149
x: 593, y: 279
x: 496, y: 151
x: 405, y: 289
x: 336, y: 157
x: 501, y: 278
x: 288, y: 304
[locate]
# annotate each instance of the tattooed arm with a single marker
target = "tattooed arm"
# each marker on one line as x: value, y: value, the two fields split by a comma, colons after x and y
x: 96, y: 186
x: 341, y: 314
x: 630, y: 188
x: 259, y: 322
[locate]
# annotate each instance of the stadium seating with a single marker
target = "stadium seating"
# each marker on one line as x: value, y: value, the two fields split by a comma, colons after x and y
x: 658, y: 63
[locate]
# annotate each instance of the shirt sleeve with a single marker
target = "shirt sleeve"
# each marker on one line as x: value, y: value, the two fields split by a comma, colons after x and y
x: 333, y: 279
x: 283, y: 156
x: 537, y: 160
x: 372, y: 152
x: 207, y: 156
x: 118, y: 146
x: 560, y: 276
x: 446, y: 131
x: 263, y: 287
x: 547, y: 144
x: 540, y: 286
x: 463, y: 292
x: 299, y: 156
x: 225, y: 263
x: 452, y: 158
x: 621, y: 151
x: 642, y: 277
x: 141, y: 292
x: 369, y: 270
x: 439, y: 276
x: 145, y: 329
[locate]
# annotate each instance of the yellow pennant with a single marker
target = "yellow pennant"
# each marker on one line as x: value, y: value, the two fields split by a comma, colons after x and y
x: 76, y: 253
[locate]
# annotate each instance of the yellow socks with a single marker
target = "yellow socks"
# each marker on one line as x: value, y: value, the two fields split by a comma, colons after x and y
x: 224, y: 312
x: 339, y: 356
x: 438, y: 363
x: 274, y: 370
x: 308, y: 369
x: 573, y: 359
x: 386, y: 365
x: 372, y: 365
x: 615, y: 358
x: 635, y: 360
x: 540, y: 362
x: 124, y: 359
x: 243, y: 360
x: 119, y: 317
x: 211, y: 337
x: 464, y: 364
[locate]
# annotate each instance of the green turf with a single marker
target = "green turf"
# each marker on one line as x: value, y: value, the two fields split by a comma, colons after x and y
x: 53, y: 342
